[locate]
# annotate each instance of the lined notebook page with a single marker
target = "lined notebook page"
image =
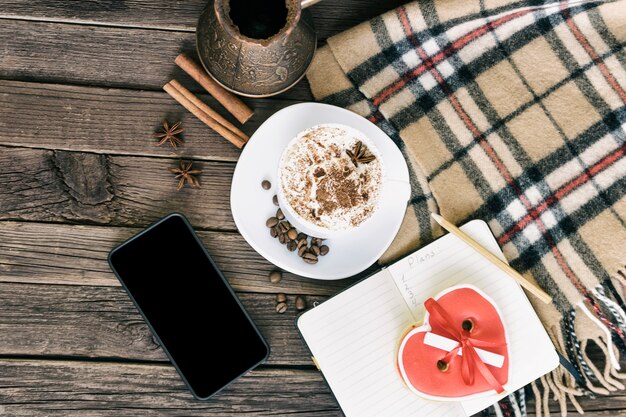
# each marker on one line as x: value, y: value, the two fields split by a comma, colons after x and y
x: 449, y: 261
x: 354, y: 338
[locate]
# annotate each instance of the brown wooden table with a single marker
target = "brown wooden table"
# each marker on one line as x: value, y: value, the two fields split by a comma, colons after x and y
x: 80, y: 97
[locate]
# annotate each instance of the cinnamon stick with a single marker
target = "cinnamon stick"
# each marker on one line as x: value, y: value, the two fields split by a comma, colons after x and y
x: 233, y: 104
x: 208, y: 110
x: 205, y: 118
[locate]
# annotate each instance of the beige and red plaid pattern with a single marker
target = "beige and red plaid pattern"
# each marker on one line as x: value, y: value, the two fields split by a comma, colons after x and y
x: 514, y: 113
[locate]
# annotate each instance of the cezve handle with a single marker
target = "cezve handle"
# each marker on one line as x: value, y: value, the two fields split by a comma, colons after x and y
x: 306, y: 3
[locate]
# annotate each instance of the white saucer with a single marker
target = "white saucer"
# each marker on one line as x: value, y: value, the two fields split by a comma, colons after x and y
x: 251, y: 205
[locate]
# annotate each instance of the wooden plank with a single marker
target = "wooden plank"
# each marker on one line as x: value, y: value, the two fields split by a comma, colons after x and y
x: 77, y: 255
x: 72, y: 388
x: 75, y: 187
x: 330, y: 16
x: 100, y: 56
x: 68, y: 388
x: 50, y: 320
x: 102, y: 322
x: 111, y: 121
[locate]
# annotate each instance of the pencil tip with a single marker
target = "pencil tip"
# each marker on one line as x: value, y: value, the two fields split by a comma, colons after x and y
x: 437, y: 217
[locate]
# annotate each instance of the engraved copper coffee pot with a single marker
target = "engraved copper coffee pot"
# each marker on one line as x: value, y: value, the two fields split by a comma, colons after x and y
x: 256, y: 48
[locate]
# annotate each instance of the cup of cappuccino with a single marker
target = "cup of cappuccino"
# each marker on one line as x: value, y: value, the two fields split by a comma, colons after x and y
x: 330, y: 179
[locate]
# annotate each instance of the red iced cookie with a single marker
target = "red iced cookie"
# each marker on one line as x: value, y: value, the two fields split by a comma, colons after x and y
x: 459, y: 316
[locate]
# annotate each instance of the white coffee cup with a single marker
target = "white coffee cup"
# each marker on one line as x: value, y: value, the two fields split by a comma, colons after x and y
x: 304, y: 225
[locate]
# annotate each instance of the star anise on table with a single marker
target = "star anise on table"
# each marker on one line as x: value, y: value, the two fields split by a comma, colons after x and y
x: 185, y: 173
x: 168, y: 134
x: 359, y: 154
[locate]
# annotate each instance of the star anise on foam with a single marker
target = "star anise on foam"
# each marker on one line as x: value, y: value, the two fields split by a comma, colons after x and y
x: 168, y: 134
x: 184, y: 173
x: 359, y: 154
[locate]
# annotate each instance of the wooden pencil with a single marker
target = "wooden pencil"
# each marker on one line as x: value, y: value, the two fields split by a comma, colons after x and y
x: 532, y: 288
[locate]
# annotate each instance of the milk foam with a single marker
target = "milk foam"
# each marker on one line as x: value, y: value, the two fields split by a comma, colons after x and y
x: 321, y: 183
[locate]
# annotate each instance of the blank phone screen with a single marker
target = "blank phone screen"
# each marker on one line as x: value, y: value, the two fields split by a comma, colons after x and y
x: 191, y: 308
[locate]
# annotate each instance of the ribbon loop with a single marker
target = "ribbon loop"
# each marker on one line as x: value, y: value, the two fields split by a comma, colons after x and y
x: 470, y: 361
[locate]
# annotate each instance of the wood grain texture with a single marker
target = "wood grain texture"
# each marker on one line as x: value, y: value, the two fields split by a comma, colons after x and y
x: 102, y: 322
x: 84, y: 64
x: 77, y: 255
x: 63, y: 186
x: 100, y: 56
x: 330, y: 16
x: 72, y: 388
x: 112, y: 121
x: 68, y: 388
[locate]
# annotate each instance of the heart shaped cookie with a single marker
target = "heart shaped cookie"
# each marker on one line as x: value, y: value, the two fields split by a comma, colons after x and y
x: 460, y: 352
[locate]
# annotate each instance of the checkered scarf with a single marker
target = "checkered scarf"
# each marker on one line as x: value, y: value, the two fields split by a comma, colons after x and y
x: 514, y: 113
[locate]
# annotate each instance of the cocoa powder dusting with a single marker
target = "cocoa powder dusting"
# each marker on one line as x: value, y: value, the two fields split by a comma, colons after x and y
x: 321, y: 182
x: 339, y: 189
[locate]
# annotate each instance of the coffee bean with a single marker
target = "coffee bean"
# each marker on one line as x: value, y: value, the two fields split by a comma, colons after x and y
x: 289, y: 226
x: 300, y: 303
x: 266, y: 184
x: 275, y: 277
x: 282, y: 238
x: 315, y: 249
x: 271, y: 222
x: 302, y: 236
x: 301, y: 242
x: 275, y: 200
x: 281, y: 298
x: 316, y: 241
x: 309, y: 261
x: 283, y: 227
x: 302, y: 250
x: 281, y: 308
x: 273, y: 232
x: 279, y: 214
x: 293, y: 234
x: 324, y: 250
x: 292, y: 245
x: 310, y: 256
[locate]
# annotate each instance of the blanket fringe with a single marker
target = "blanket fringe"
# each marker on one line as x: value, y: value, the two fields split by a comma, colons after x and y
x: 521, y: 400
x: 578, y: 333
x: 608, y: 335
x: 537, y: 395
x: 575, y: 403
x: 545, y: 398
x: 574, y: 352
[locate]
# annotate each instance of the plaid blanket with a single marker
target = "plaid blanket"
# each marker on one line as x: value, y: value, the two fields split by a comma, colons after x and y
x: 514, y: 113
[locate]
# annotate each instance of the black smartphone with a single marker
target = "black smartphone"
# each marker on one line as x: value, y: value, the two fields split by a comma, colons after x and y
x: 189, y: 306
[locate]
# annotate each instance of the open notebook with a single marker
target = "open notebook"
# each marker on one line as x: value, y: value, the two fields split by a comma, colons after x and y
x: 354, y: 336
